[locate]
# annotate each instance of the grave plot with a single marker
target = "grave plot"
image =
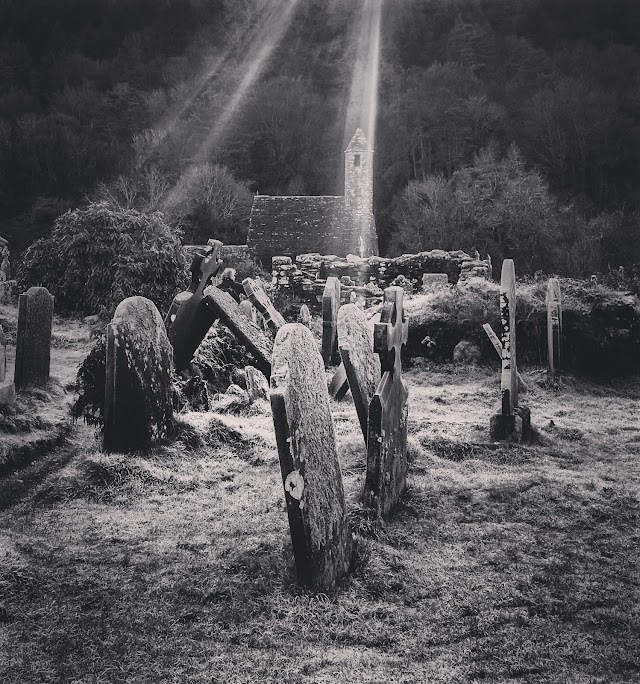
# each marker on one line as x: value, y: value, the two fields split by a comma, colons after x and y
x: 514, y: 421
x: 387, y: 427
x: 309, y: 464
x: 138, y: 394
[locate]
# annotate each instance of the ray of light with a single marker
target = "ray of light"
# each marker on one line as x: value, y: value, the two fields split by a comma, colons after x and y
x: 271, y: 30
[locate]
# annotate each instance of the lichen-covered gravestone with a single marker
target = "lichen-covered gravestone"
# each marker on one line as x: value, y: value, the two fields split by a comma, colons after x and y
x: 514, y: 421
x: 259, y: 298
x: 361, y: 363
x: 387, y: 467
x: 33, y: 342
x: 138, y: 392
x: 309, y: 464
x: 330, y: 306
x: 554, y: 328
x: 188, y: 319
x: 7, y: 389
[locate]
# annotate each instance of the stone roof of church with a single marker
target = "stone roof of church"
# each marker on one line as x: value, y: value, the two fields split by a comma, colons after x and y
x: 359, y: 143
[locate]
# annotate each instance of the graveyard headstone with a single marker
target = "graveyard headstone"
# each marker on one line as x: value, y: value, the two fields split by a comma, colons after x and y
x: 138, y: 390
x: 7, y: 388
x: 304, y: 315
x: 257, y: 384
x: 259, y: 298
x: 361, y: 363
x: 387, y: 429
x: 330, y: 306
x: 33, y: 342
x: 309, y: 464
x: 513, y: 421
x: 554, y: 328
x: 248, y: 310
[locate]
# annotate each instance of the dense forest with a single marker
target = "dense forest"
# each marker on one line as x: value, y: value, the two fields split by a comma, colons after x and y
x: 507, y: 126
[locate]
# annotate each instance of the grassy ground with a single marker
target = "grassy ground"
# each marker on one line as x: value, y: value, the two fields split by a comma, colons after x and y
x: 502, y: 564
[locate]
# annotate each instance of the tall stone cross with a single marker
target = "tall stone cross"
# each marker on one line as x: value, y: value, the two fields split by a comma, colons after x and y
x: 189, y: 319
x: 259, y: 298
x: 387, y: 433
x: 554, y: 328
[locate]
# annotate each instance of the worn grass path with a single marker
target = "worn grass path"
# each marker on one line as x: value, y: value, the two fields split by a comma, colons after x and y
x: 503, y: 564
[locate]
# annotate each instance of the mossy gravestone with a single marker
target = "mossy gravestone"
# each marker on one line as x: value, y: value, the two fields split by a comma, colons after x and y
x: 33, y: 342
x: 361, y: 363
x: 514, y: 421
x: 308, y: 460
x: 554, y: 328
x: 387, y: 466
x: 138, y: 393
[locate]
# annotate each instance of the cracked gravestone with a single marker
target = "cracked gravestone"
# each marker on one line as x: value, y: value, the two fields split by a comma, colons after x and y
x: 387, y: 467
x: 554, y: 328
x: 33, y: 342
x: 189, y: 320
x: 309, y: 465
x: 330, y: 306
x: 138, y: 389
x: 259, y: 298
x: 361, y: 363
x: 513, y: 422
x: 222, y: 305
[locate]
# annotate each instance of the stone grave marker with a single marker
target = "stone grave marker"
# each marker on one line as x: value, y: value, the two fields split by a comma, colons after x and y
x: 361, y: 363
x: 304, y: 315
x: 386, y: 473
x: 257, y: 384
x: 248, y: 310
x: 33, y: 343
x: 554, y: 328
x: 7, y: 388
x: 259, y: 298
x: 138, y: 392
x: 222, y: 305
x: 497, y: 345
x: 513, y: 421
x: 330, y: 306
x: 432, y: 281
x: 189, y: 319
x: 308, y: 460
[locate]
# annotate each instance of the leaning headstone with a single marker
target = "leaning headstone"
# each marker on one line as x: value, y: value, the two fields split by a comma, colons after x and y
x: 361, y: 363
x: 554, y: 328
x: 308, y: 460
x: 259, y: 298
x: 7, y: 388
x: 222, y: 305
x: 189, y: 320
x: 33, y: 342
x: 257, y: 384
x: 330, y: 306
x: 387, y: 467
x: 304, y: 316
x: 138, y: 389
x: 514, y: 421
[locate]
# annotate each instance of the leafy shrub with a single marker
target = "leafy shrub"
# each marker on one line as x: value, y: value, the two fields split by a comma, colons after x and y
x: 97, y: 256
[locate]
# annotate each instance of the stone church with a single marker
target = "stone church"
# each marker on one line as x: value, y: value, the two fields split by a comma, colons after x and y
x: 340, y: 225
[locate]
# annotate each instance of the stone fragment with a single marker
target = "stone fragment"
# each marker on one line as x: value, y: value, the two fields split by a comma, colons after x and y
x: 261, y: 301
x: 361, y: 363
x: 221, y: 305
x: 309, y: 464
x: 330, y: 306
x: 387, y: 467
x: 554, y: 328
x: 138, y: 390
x: 33, y: 342
x: 257, y: 384
x: 466, y: 352
x: 188, y: 319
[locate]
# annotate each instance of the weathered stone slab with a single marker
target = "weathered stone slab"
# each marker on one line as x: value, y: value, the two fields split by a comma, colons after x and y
x: 330, y: 306
x: 221, y: 305
x: 554, y: 328
x: 259, y: 298
x: 308, y: 460
x: 3, y: 355
x: 514, y: 421
x: 361, y: 363
x: 189, y: 320
x: 248, y: 310
x: 7, y: 388
x: 387, y: 465
x: 33, y: 343
x: 138, y: 392
x: 257, y: 384
x: 305, y: 315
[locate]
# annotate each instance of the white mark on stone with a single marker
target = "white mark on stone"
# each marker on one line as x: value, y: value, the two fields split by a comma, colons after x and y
x: 294, y: 484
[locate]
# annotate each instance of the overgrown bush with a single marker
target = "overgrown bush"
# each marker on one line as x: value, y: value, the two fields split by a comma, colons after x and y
x: 97, y: 256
